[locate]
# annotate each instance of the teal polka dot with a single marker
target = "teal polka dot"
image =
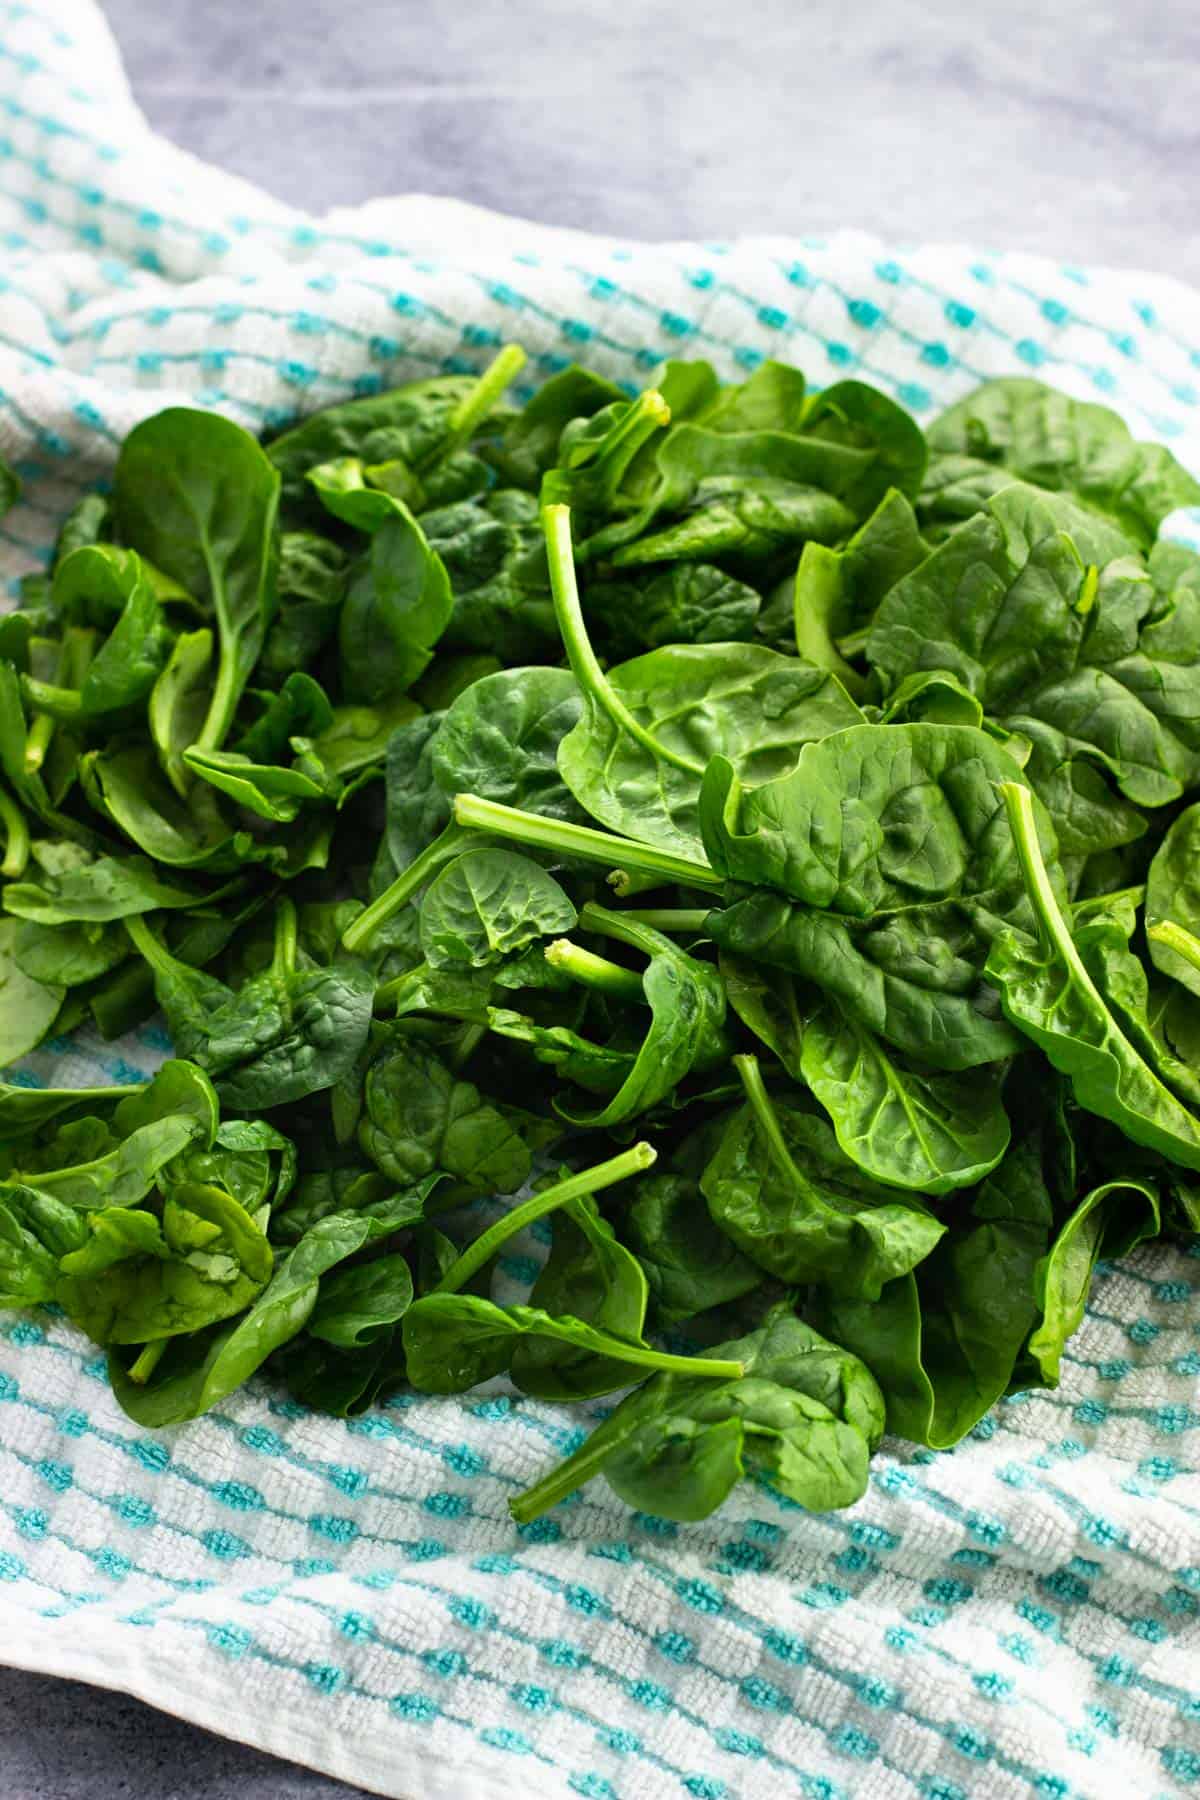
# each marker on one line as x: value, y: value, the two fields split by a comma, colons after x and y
x: 416, y: 1709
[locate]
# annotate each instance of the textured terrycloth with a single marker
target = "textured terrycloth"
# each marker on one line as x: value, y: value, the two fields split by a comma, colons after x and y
x: 1019, y: 1617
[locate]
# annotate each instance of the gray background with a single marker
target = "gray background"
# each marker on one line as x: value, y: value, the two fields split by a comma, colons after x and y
x: 1071, y: 128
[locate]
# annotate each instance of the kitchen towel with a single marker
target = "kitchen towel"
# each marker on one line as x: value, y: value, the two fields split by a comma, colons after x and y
x: 1019, y: 1617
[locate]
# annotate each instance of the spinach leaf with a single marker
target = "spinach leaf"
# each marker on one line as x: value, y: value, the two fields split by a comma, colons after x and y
x: 528, y: 444
x: 360, y: 1304
x: 96, y: 891
x: 687, y: 1016
x: 179, y: 703
x: 649, y: 728
x: 1047, y: 992
x: 804, y: 1415
x: 892, y: 842
x: 28, y: 1007
x: 690, y: 1266
x: 200, y: 1369
x: 124, y: 668
x: 288, y: 1032
x: 67, y: 955
x: 1173, y: 893
x: 943, y: 1342
x: 140, y: 1276
x: 487, y: 905
x: 899, y: 1123
x: 195, y: 494
x: 838, y: 590
x: 591, y: 1276
x: 1109, y: 1221
x: 779, y: 1186
x: 311, y: 583
x: 491, y: 548
x: 501, y: 739
x: 1010, y: 605
x: 396, y: 607
x: 420, y: 1118
x: 1042, y: 436
x: 454, y: 1341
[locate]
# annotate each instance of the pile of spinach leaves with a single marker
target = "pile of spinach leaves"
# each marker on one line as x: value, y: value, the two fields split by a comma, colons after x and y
x: 751, y: 835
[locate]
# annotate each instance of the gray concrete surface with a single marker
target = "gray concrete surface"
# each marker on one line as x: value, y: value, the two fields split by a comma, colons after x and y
x: 1072, y: 129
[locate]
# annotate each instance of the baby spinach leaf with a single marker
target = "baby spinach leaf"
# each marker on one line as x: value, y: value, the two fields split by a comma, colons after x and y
x: 487, y: 905
x: 139, y: 1276
x: 779, y: 1186
x: 311, y: 584
x: 454, y: 1341
x: 67, y: 955
x: 200, y: 1369
x: 528, y: 444
x: 1109, y: 1221
x: 179, y: 703
x: 1043, y: 436
x: 689, y: 603
x: 687, y: 1015
x: 899, y: 1123
x: 1173, y: 893
x: 943, y: 1341
x: 127, y: 786
x: 358, y: 1305
x: 96, y: 891
x: 636, y: 757
x: 592, y: 1276
x: 421, y: 1118
x: 396, y: 608
x: 1046, y: 991
x: 492, y: 550
x: 1008, y: 605
x: 804, y: 1415
x: 288, y: 1032
x: 501, y: 739
x: 837, y: 591
x: 35, y: 1231
x: 195, y: 494
x: 271, y: 791
x: 28, y: 1007
x: 690, y: 1266
x: 124, y: 668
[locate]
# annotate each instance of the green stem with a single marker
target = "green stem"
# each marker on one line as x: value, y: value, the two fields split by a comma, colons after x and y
x: 59, y: 700
x: 141, y: 1370
x: 588, y: 1181
x: 55, y: 705
x: 1174, y: 937
x: 667, y: 918
x: 853, y: 644
x: 765, y: 1114
x: 1018, y: 801
x: 467, y: 1045
x: 556, y: 521
x: 422, y: 869
x: 16, y: 838
x: 283, y: 960
x: 147, y: 945
x: 574, y: 1472
x: 581, y: 841
x: 223, y: 704
x: 590, y: 1458
x: 478, y: 402
x: 621, y: 926
x: 594, y: 971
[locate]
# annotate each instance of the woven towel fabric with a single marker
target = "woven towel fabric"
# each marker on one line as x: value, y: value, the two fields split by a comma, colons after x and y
x: 1021, y: 1616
